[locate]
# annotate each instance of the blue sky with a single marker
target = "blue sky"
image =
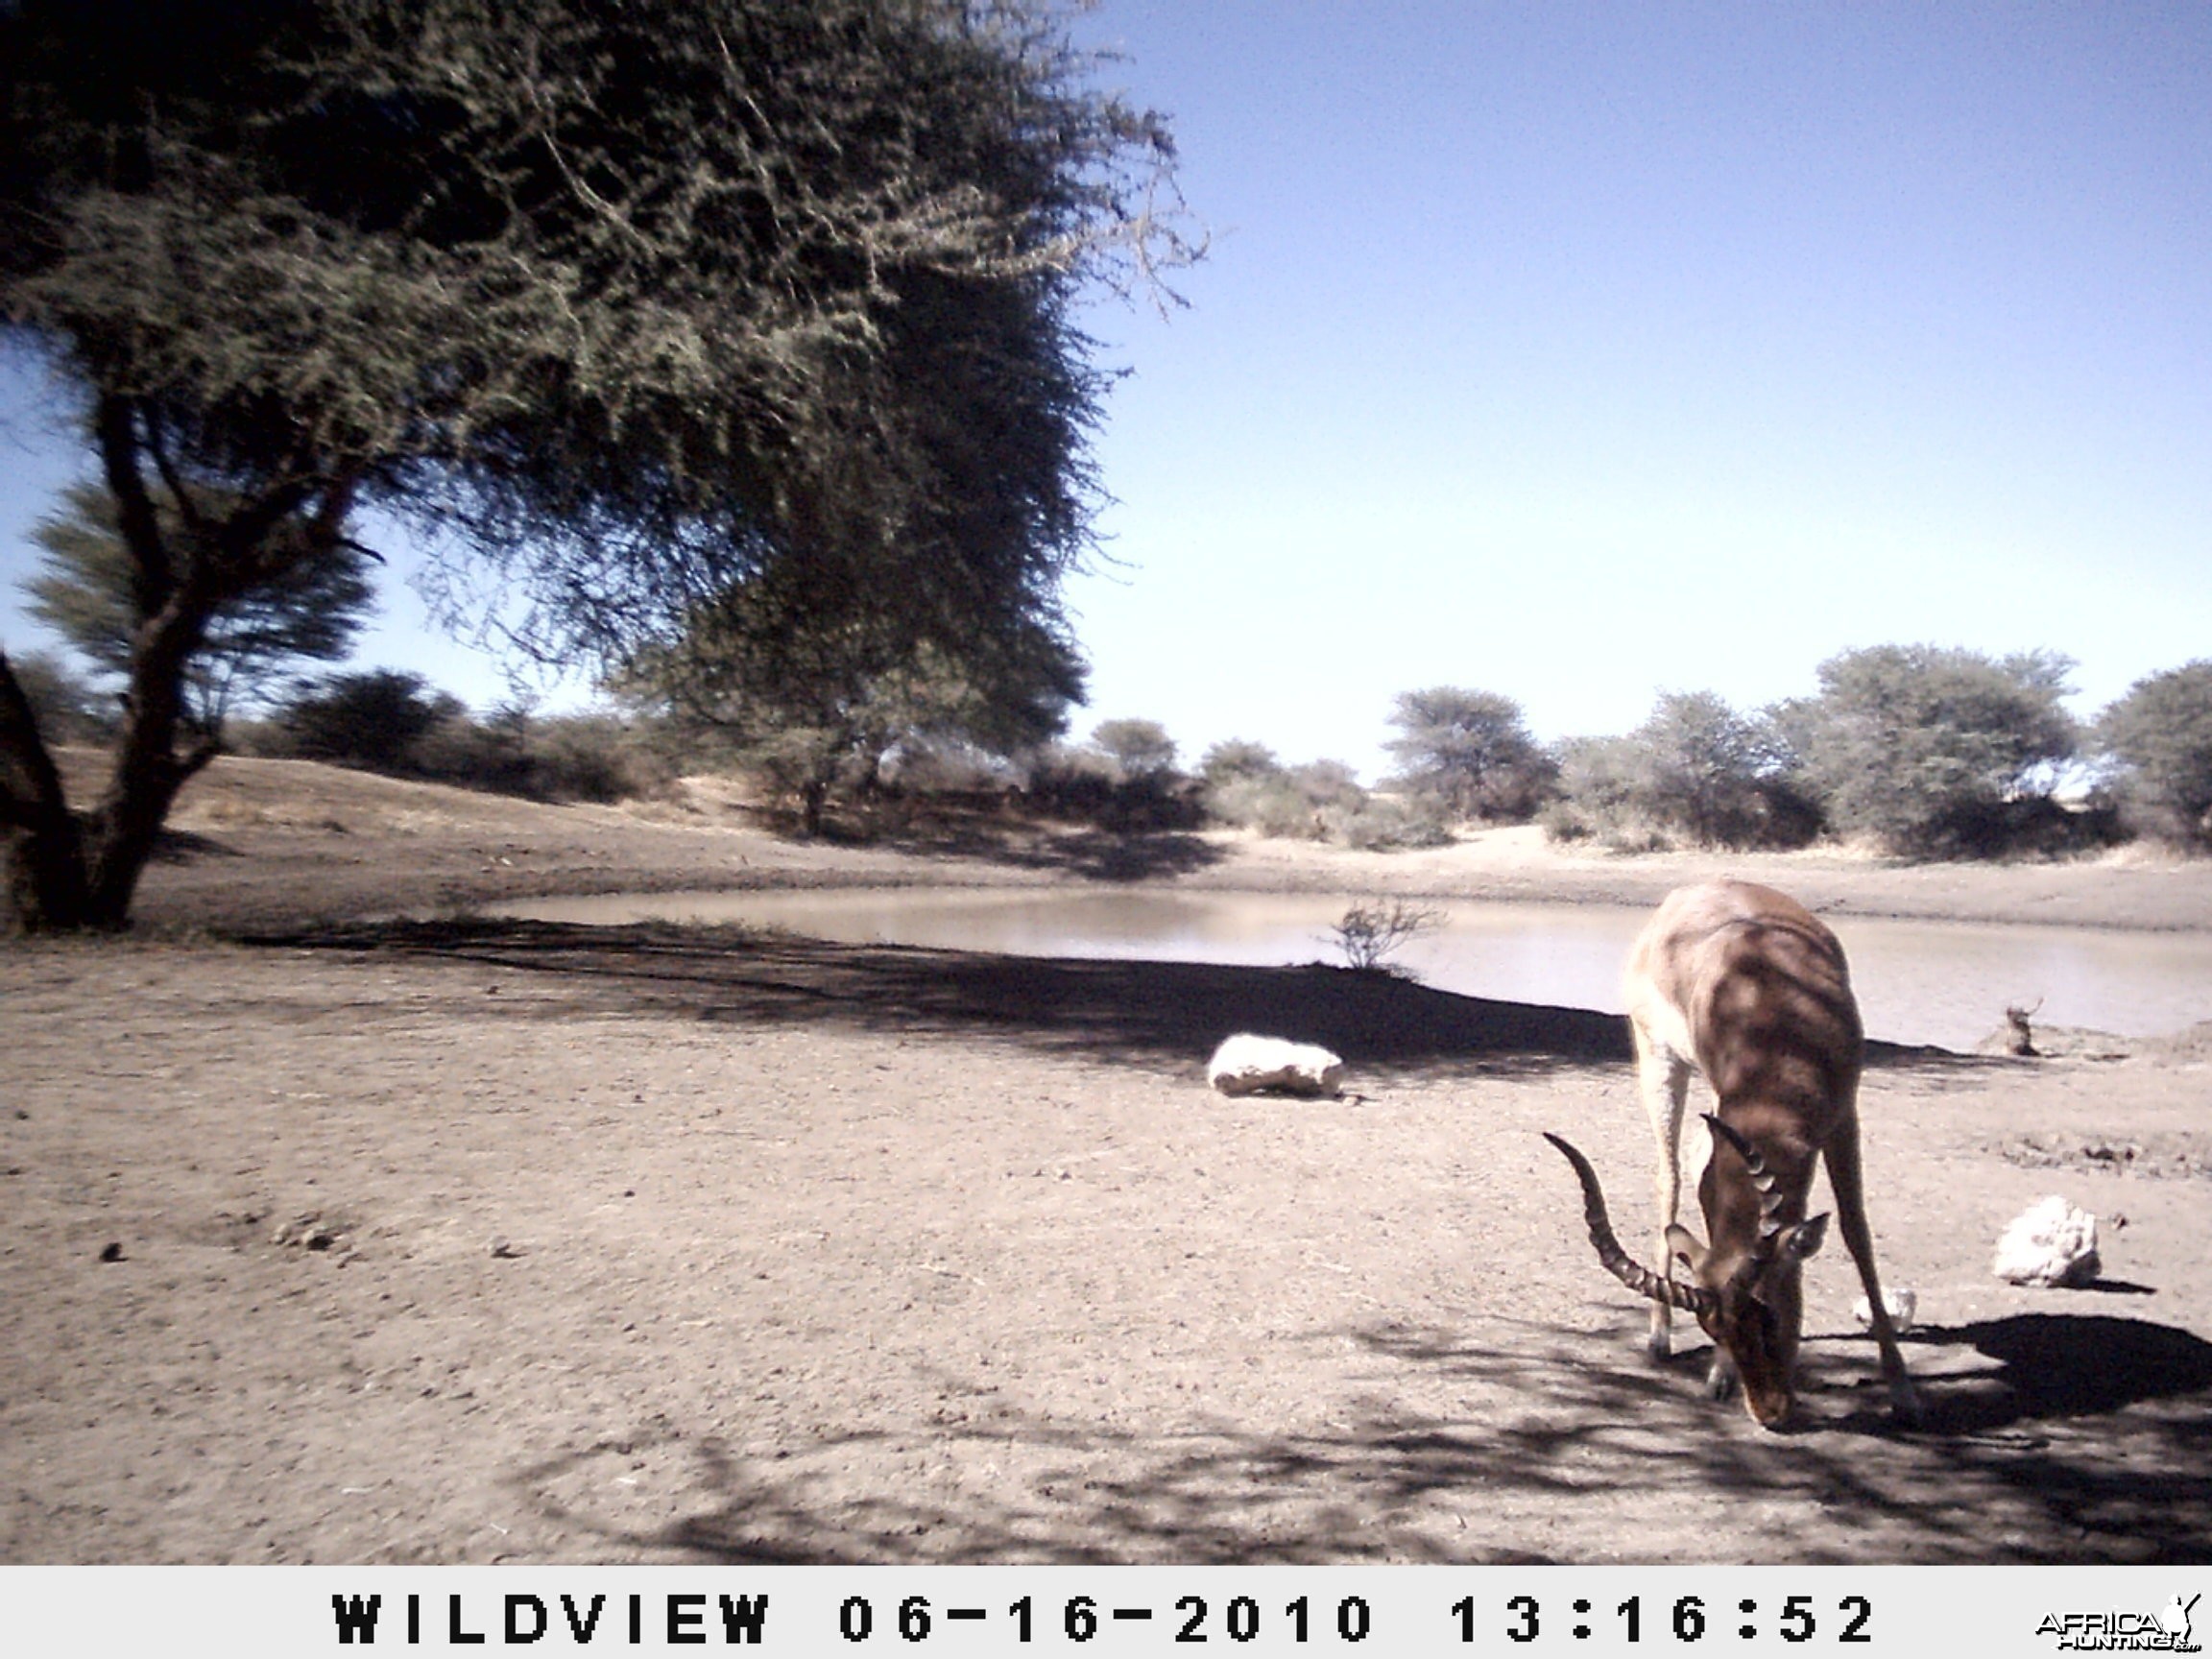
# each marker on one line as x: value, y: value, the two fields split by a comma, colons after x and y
x: 1580, y: 352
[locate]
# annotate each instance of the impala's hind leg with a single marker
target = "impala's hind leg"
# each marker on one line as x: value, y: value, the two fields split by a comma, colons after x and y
x: 1841, y: 1156
x: 1663, y: 1080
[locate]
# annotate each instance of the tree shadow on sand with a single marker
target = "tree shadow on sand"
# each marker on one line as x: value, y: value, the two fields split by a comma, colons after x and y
x: 184, y: 846
x: 1155, y: 1014
x: 1091, y: 853
x: 1148, y: 1013
x: 2089, y: 1447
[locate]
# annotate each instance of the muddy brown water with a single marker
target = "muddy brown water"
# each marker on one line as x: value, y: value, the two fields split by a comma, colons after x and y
x: 1943, y: 983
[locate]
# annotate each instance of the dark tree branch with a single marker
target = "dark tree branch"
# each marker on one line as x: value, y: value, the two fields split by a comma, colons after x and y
x: 115, y: 427
x: 188, y: 508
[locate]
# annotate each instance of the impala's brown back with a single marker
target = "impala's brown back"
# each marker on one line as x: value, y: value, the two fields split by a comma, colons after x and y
x: 1765, y: 992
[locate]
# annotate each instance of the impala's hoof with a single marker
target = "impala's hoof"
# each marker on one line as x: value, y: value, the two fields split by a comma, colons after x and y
x: 1905, y: 1406
x: 1720, y: 1381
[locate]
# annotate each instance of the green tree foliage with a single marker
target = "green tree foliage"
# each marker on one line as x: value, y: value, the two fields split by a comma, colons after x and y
x: 2160, y: 734
x: 1135, y: 748
x: 815, y: 690
x: 312, y: 608
x: 629, y: 304
x: 1595, y: 795
x: 1700, y: 763
x: 1934, y: 751
x: 1236, y: 758
x: 1470, y: 752
x: 374, y: 719
x: 1123, y: 777
x: 1715, y: 777
x: 392, y: 721
x: 1694, y: 773
x: 1244, y: 785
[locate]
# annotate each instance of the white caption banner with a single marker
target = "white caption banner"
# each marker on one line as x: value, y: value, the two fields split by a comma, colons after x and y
x: 1986, y: 1612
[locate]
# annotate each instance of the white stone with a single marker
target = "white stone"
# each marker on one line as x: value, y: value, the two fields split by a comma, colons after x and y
x: 1902, y: 1303
x: 2053, y: 1242
x: 1245, y: 1063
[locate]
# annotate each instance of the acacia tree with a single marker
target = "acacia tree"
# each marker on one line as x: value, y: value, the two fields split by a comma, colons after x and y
x: 1933, y: 750
x: 811, y: 685
x: 629, y: 304
x: 1470, y: 752
x: 372, y: 718
x: 1135, y: 749
x: 1236, y: 760
x: 2161, y: 735
x: 313, y: 609
x: 1717, y: 777
x: 1598, y: 790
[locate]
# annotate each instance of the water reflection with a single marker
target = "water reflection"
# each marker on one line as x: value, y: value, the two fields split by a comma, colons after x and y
x: 1945, y: 983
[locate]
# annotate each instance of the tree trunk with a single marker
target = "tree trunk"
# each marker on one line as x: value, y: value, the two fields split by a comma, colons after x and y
x: 46, y: 877
x: 64, y: 874
x: 126, y: 826
x: 813, y: 794
x: 123, y: 832
x: 45, y: 853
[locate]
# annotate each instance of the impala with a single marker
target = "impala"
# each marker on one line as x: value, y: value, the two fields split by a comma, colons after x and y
x: 1750, y: 988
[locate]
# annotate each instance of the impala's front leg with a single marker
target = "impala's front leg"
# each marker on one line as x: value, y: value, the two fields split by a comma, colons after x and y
x: 1844, y: 1177
x: 1663, y: 1080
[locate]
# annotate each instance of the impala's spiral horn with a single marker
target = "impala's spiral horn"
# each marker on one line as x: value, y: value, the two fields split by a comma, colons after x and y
x: 1690, y: 1298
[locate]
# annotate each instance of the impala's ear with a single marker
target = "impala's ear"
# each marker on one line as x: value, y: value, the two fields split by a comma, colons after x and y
x: 1684, y: 1247
x: 1803, y: 1240
x: 1791, y: 1245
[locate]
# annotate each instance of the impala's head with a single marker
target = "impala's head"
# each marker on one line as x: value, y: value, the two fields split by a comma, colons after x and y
x: 1745, y: 1296
x: 1751, y: 1308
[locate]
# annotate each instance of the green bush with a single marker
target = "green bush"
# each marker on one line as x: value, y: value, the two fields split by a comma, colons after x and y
x: 1934, y: 752
x: 1694, y: 773
x: 1599, y: 798
x: 2160, y: 736
x: 1236, y: 757
x: 1089, y: 786
x: 1319, y: 800
x: 593, y: 758
x: 1135, y: 748
x: 1388, y: 824
x: 386, y: 720
x: 1272, y: 805
x: 372, y: 719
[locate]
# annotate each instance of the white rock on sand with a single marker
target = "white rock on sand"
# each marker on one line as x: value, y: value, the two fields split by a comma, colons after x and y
x: 1904, y: 1307
x: 2053, y: 1242
x: 1246, y: 1064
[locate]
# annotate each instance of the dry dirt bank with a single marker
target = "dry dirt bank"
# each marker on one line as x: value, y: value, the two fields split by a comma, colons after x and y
x: 274, y: 843
x: 497, y: 1242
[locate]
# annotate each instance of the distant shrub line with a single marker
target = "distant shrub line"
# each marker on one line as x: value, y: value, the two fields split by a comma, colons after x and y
x: 384, y: 720
x: 1925, y: 751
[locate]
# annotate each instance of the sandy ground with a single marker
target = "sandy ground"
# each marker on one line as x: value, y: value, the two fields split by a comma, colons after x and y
x: 329, y: 1237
